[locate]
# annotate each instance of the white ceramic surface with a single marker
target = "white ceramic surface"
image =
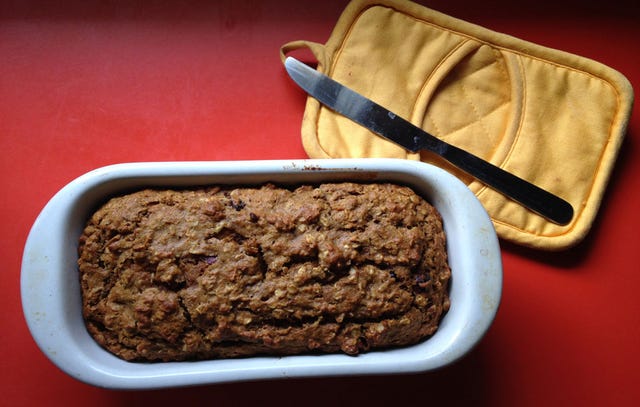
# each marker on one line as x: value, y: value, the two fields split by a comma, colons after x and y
x: 51, y: 293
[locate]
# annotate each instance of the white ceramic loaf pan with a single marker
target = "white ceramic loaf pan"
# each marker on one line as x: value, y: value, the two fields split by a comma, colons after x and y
x: 51, y: 292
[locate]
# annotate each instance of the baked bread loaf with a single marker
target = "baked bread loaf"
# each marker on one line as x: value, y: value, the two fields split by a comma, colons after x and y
x: 221, y: 272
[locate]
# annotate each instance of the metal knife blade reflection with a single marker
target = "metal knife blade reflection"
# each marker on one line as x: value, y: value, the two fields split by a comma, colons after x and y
x: 398, y: 130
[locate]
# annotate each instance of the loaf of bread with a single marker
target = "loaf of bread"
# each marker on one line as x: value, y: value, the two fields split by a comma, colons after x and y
x: 220, y: 272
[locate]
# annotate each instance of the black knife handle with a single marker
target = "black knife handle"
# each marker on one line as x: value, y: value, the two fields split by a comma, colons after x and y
x: 527, y: 194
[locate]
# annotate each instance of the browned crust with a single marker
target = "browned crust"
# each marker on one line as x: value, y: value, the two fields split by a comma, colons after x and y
x: 224, y: 272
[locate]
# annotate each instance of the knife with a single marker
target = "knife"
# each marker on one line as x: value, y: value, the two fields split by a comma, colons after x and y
x: 398, y: 130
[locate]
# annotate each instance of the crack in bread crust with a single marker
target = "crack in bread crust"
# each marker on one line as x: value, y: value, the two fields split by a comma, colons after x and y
x: 225, y: 272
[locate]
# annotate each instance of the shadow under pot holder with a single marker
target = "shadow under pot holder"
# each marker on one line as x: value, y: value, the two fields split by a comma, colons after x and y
x: 552, y: 118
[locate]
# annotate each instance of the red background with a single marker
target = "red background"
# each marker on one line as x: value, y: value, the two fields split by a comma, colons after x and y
x: 89, y: 83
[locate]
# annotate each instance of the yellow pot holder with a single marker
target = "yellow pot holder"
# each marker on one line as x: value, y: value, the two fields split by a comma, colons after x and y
x: 552, y: 118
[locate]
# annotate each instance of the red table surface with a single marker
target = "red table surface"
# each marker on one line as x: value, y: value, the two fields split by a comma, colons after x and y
x: 89, y: 83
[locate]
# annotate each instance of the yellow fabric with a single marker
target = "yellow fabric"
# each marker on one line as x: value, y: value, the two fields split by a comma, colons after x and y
x: 552, y: 118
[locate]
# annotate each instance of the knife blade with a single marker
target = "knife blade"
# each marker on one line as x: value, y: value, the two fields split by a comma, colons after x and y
x: 390, y: 126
